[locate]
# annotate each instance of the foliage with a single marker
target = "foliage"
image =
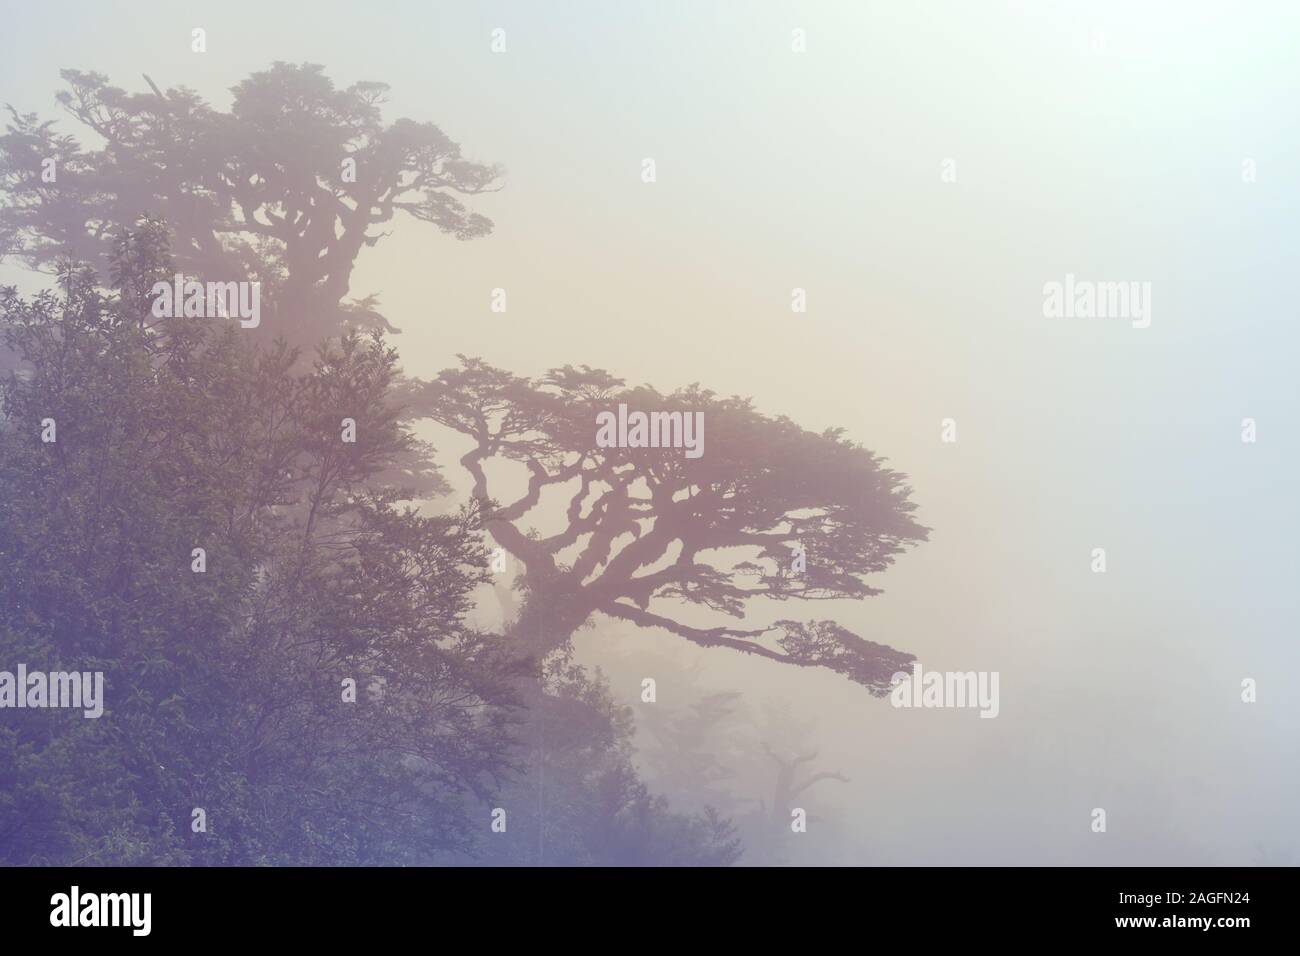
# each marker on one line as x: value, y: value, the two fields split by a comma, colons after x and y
x: 649, y: 524
x: 286, y: 188
x: 224, y: 688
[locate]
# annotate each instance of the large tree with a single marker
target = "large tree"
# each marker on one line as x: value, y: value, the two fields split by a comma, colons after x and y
x: 287, y: 187
x: 770, y: 510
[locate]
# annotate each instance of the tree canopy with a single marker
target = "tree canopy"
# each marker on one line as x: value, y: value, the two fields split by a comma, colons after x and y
x: 649, y: 530
x: 287, y: 187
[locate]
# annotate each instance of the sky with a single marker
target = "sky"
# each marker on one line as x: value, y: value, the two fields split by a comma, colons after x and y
x: 921, y: 171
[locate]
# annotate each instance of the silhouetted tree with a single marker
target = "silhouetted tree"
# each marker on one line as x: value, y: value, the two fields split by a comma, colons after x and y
x: 645, y: 524
x: 285, y: 188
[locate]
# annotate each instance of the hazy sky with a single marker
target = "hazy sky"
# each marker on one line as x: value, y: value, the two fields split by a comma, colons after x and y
x: 1091, y: 138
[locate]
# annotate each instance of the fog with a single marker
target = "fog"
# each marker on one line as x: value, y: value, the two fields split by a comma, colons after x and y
x: 921, y: 173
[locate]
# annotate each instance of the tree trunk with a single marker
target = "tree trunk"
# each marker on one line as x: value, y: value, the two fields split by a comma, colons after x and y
x: 544, y: 626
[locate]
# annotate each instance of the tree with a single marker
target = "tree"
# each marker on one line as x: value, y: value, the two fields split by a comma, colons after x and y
x: 684, y: 747
x: 785, y: 740
x: 692, y: 737
x: 578, y: 800
x: 650, y: 524
x: 226, y: 672
x: 705, y: 747
x: 287, y: 187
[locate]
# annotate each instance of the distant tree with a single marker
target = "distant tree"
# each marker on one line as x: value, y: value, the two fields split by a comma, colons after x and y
x: 693, y: 738
x: 683, y: 744
x: 708, y: 747
x: 647, y: 525
x: 287, y: 187
x: 225, y: 689
x: 794, y: 776
x: 786, y: 763
x: 579, y: 800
